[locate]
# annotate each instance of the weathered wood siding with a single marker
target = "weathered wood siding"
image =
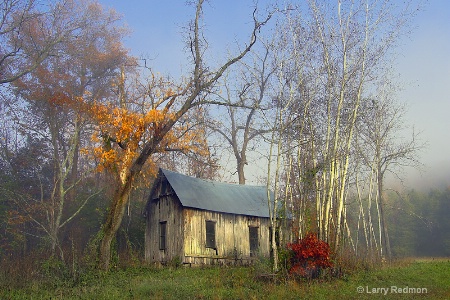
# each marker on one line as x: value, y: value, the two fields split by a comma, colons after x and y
x: 231, y: 236
x: 166, y: 209
x: 186, y: 232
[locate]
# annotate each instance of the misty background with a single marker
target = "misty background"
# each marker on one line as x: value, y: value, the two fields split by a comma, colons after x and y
x: 423, y: 69
x: 418, y: 199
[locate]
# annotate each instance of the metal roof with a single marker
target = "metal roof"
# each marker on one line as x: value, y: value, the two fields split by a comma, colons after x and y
x: 217, y: 196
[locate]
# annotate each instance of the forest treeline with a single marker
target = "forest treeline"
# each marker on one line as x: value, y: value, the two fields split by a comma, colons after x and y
x: 419, y: 223
x: 417, y: 220
x: 308, y: 98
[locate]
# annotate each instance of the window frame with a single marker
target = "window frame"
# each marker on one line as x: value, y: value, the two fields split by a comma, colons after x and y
x: 210, y: 234
x: 163, y: 235
x: 253, y: 238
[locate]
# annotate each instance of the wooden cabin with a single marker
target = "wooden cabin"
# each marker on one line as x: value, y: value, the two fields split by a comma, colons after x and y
x: 196, y: 221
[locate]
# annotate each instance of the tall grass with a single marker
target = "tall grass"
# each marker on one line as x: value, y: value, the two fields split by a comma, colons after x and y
x: 146, y: 282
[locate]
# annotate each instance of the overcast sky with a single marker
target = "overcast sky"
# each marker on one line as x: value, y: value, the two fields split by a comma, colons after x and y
x: 425, y: 70
x: 424, y: 63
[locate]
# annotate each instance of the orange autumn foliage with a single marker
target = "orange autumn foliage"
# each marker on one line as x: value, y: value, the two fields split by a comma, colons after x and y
x: 122, y: 132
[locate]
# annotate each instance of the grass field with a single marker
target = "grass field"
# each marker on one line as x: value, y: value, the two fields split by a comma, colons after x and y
x: 412, y: 279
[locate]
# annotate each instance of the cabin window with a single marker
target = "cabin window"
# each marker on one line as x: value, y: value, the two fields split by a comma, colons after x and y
x: 162, y: 235
x: 211, y: 234
x: 254, y: 241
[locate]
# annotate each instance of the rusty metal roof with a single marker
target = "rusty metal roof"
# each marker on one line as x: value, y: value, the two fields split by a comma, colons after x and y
x: 219, y: 197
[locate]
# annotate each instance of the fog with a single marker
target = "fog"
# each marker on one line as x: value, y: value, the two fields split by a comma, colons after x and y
x: 424, y: 71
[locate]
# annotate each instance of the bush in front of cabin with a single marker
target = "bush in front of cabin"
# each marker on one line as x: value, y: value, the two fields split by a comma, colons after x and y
x: 308, y: 256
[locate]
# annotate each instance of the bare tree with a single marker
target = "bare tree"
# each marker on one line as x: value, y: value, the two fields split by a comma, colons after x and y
x: 171, y: 106
x: 245, y: 103
x: 340, y: 50
x: 31, y: 32
x: 85, y: 64
x: 382, y: 151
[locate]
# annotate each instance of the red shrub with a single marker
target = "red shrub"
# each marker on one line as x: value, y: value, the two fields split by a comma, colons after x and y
x: 308, y: 256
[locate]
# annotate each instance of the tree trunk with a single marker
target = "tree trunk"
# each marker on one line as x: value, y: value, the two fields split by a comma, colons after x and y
x: 385, y: 242
x: 240, y: 169
x: 113, y: 221
x: 122, y: 193
x: 199, y: 83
